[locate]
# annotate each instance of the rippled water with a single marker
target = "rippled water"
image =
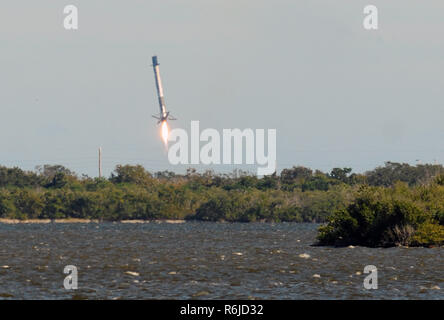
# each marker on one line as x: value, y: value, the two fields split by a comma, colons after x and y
x: 205, y: 260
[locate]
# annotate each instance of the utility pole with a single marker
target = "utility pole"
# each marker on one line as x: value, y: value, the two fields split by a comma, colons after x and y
x: 100, y: 162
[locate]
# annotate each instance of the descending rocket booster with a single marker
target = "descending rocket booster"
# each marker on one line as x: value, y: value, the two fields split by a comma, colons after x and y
x: 163, y: 115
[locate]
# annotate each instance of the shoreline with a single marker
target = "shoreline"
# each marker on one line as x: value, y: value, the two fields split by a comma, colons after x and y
x: 46, y: 221
x: 136, y: 221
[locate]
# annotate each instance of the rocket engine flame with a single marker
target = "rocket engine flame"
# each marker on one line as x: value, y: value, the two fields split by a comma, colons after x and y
x: 165, y: 132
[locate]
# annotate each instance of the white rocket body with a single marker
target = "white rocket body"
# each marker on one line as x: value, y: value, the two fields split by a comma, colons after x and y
x: 163, y: 115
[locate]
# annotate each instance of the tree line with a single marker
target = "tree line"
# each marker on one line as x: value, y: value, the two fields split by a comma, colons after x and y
x: 383, y: 206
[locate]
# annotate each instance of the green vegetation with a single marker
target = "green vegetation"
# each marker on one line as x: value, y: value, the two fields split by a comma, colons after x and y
x: 390, y: 205
x: 381, y: 216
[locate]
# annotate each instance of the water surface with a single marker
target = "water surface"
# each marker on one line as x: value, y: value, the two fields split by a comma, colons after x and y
x: 205, y: 261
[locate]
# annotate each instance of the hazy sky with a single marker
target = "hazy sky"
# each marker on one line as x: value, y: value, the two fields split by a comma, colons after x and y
x: 337, y: 94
